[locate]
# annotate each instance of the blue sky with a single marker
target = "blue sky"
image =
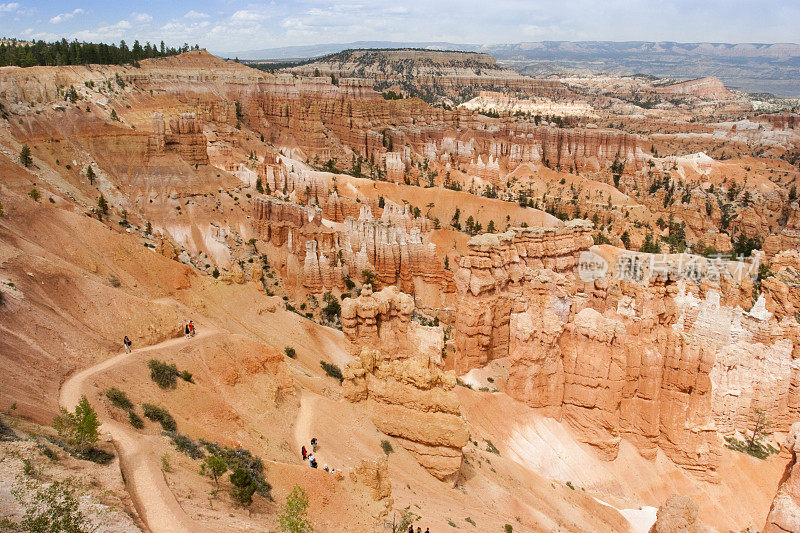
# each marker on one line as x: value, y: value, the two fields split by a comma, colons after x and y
x: 229, y: 25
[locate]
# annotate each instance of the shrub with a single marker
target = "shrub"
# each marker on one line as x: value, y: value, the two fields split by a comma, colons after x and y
x: 165, y: 375
x: 213, y: 467
x: 491, y: 447
x: 387, y: 446
x: 215, y: 273
x: 186, y: 376
x: 135, y: 420
x: 114, y: 281
x: 119, y: 399
x: 185, y: 444
x: 241, y: 458
x: 35, y: 194
x: 243, y: 487
x: 52, y: 507
x: 332, y: 370
x: 508, y: 528
x: 160, y: 415
x: 292, y: 515
x: 78, y: 429
x: 290, y: 352
x: 165, y: 466
x: 469, y: 520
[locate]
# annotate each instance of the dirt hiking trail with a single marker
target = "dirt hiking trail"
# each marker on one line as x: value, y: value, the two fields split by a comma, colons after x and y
x: 142, y: 473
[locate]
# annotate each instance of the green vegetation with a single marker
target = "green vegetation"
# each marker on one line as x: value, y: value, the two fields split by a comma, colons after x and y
x: 135, y: 420
x: 386, y: 446
x: 491, y: 447
x: 241, y: 458
x: 160, y: 415
x: 332, y: 370
x: 90, y: 175
x: 185, y: 445
x: 50, y: 507
x: 332, y: 308
x: 243, y: 487
x: 508, y: 528
x: 119, y: 399
x: 25, y: 156
x: 754, y: 445
x: 650, y: 246
x: 79, y: 428
x: 292, y: 516
x: 290, y: 352
x: 102, y: 204
x: 35, y: 194
x: 214, y: 466
x: 63, y: 52
x: 369, y: 277
x: 165, y: 375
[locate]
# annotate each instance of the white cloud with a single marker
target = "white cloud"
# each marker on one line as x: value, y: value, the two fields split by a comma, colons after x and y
x: 141, y: 17
x: 61, y: 17
x: 195, y: 15
x: 104, y: 33
x: 7, y: 8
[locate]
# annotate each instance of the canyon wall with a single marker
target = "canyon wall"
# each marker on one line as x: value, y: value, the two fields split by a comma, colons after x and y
x: 642, y: 360
x: 397, y: 373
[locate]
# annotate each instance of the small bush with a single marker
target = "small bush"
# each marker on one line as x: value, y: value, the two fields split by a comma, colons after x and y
x: 292, y: 515
x: 165, y: 466
x: 243, y: 487
x: 387, y: 446
x: 186, y: 376
x: 114, y: 281
x: 47, y: 452
x: 160, y: 415
x: 97, y: 455
x: 469, y: 521
x: 491, y: 447
x: 508, y: 528
x: 119, y: 399
x: 570, y: 485
x: 135, y: 420
x: 165, y: 375
x: 451, y: 523
x: 185, y: 444
x: 290, y: 352
x: 332, y: 370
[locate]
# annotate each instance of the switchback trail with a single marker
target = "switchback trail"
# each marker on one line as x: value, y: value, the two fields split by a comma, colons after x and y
x: 144, y: 480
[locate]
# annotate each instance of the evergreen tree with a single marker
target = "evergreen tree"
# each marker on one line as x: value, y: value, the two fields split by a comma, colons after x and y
x: 25, y: 156
x: 79, y: 428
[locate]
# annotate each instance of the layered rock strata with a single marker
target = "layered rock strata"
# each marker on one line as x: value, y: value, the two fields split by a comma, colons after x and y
x: 397, y: 374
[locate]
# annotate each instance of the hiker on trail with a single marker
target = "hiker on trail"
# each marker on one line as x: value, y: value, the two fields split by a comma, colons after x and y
x: 127, y: 343
x: 325, y: 468
x: 312, y: 461
x: 411, y: 529
x: 191, y: 328
x: 186, y: 330
x: 314, y: 443
x: 305, y: 453
x: 427, y: 530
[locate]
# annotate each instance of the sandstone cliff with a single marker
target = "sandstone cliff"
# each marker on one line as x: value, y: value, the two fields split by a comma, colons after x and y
x: 398, y: 374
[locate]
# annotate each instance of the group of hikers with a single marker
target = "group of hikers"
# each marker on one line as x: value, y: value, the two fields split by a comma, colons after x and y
x: 312, y: 460
x: 188, y: 329
x: 419, y: 530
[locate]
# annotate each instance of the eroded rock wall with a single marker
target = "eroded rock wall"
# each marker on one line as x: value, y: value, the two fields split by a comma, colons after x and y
x: 397, y: 373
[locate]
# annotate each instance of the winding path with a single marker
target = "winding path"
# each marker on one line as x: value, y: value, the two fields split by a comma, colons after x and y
x: 144, y: 480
